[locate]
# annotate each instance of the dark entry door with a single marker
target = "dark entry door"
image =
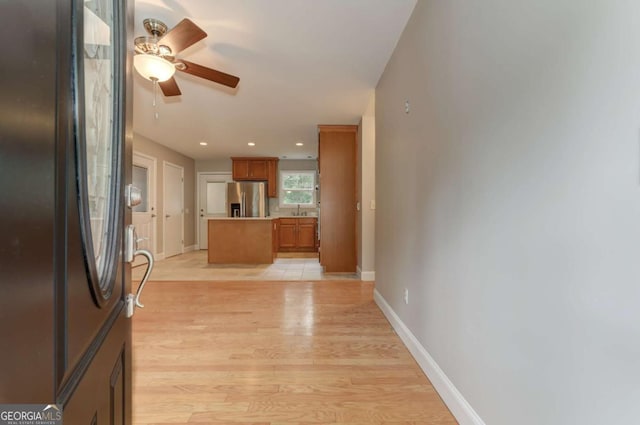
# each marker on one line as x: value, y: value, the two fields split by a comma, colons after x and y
x: 65, y: 161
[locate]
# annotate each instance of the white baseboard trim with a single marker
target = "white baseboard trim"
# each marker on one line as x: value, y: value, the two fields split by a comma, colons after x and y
x: 454, y: 400
x: 190, y: 248
x: 366, y: 276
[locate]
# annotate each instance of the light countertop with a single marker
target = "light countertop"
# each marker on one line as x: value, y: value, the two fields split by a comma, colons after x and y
x: 309, y: 215
x: 242, y: 218
x: 272, y: 217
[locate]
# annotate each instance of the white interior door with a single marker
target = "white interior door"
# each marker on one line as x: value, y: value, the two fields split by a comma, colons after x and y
x: 212, y: 202
x: 144, y: 215
x: 173, y: 209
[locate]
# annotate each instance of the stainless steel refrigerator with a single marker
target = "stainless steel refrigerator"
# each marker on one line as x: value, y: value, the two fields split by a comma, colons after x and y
x: 247, y: 199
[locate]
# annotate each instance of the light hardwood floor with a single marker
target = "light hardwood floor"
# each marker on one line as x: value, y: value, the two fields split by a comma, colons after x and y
x: 274, y: 353
x: 193, y: 266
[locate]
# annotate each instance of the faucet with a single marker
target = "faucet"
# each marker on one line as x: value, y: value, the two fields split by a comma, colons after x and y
x: 298, y: 210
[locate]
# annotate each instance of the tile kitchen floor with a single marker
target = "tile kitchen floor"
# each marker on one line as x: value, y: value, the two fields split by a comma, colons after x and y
x: 193, y: 266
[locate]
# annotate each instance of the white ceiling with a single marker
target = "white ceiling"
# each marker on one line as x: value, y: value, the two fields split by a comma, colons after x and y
x: 301, y: 63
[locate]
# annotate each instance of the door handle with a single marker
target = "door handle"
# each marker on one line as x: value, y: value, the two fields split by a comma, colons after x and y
x: 153, y: 216
x: 131, y: 251
x: 150, y: 262
x: 133, y: 301
x: 167, y: 216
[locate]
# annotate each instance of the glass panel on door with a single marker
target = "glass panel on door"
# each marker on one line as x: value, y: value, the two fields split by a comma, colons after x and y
x: 98, y: 156
x: 216, y: 198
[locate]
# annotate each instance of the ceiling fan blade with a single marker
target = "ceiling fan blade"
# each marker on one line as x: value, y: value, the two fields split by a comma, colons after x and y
x: 209, y: 74
x: 182, y: 36
x: 170, y: 87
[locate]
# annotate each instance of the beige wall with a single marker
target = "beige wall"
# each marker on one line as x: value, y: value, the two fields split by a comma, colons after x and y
x: 218, y: 165
x: 509, y: 205
x: 162, y: 153
x: 298, y: 164
x: 366, y: 193
x: 224, y: 165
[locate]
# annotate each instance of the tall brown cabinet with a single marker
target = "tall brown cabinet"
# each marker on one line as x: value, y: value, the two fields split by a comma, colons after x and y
x: 337, y: 166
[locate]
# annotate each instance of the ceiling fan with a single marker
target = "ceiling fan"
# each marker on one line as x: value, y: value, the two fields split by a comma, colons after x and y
x: 155, y: 56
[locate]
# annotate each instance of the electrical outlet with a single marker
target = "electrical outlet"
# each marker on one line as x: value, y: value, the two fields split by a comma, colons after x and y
x: 406, y: 296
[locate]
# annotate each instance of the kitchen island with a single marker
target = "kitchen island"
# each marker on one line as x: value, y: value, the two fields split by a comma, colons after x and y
x: 240, y: 240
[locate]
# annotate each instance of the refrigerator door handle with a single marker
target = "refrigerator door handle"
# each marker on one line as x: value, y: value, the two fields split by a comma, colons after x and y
x: 243, y: 204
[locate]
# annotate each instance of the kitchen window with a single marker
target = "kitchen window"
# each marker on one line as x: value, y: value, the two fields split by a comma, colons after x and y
x: 297, y: 188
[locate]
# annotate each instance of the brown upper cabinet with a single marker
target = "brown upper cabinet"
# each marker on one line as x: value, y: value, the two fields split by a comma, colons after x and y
x: 250, y: 169
x: 258, y: 169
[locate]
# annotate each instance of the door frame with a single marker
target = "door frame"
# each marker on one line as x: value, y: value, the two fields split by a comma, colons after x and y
x: 198, y: 192
x: 164, y: 206
x: 153, y: 178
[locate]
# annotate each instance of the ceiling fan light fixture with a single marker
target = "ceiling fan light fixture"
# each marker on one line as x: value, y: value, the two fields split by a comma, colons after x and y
x: 153, y: 67
x: 156, y: 56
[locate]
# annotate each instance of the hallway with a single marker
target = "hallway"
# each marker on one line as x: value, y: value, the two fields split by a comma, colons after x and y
x: 265, y: 353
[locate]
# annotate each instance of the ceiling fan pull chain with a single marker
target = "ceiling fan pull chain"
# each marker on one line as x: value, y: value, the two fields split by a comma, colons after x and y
x: 155, y: 96
x: 155, y: 91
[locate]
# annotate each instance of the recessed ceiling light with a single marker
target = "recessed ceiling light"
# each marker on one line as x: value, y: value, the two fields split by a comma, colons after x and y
x: 203, y: 143
x: 299, y: 144
x: 251, y: 144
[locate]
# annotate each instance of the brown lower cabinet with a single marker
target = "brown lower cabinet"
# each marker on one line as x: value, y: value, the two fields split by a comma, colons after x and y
x: 297, y: 234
